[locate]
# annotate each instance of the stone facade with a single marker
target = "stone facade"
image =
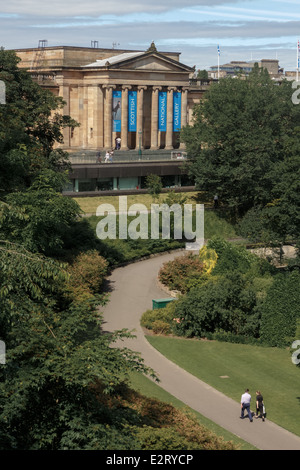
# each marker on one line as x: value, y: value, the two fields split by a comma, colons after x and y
x: 87, y: 79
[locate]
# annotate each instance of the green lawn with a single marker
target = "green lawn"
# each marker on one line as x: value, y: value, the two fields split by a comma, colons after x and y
x: 269, y: 370
x: 214, y: 224
x: 89, y: 204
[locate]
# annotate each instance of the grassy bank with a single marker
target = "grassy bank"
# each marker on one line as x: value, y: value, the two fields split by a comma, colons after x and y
x: 267, y: 369
x: 152, y: 390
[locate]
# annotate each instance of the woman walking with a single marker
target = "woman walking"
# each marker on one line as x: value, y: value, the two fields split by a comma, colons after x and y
x: 259, y: 406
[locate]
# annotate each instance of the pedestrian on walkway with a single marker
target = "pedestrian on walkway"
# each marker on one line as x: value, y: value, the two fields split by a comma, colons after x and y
x: 107, y: 156
x: 259, y: 406
x: 245, y: 405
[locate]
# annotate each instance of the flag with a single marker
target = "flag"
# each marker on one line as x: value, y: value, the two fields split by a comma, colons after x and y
x: 219, y: 48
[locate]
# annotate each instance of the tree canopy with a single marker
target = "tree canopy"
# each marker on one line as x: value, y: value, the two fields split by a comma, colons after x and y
x: 31, y: 122
x: 244, y: 146
x: 58, y: 361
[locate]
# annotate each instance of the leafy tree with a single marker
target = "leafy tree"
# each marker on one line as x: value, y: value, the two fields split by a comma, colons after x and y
x: 202, y: 75
x: 279, y: 220
x: 154, y: 186
x: 55, y: 356
x: 46, y: 215
x: 226, y: 303
x: 280, y: 310
x: 245, y: 132
x: 31, y: 122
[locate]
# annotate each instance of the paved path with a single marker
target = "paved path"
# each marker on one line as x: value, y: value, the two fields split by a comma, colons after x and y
x: 132, y: 289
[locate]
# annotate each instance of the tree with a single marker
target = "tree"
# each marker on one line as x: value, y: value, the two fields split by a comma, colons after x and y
x: 47, y: 215
x: 278, y: 221
x: 226, y: 303
x: 244, y: 131
x: 58, y: 364
x: 31, y: 122
x: 154, y: 185
x: 202, y: 75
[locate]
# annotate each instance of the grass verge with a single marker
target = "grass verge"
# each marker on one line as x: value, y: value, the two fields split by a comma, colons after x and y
x: 269, y: 370
x: 150, y: 389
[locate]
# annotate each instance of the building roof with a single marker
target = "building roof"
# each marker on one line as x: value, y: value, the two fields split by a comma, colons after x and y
x: 115, y: 59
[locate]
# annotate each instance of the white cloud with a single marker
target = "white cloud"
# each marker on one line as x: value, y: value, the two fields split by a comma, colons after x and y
x: 59, y: 8
x: 193, y: 27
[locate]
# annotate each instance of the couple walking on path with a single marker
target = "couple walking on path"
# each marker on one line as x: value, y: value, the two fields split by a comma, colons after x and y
x: 245, y: 405
x: 132, y: 289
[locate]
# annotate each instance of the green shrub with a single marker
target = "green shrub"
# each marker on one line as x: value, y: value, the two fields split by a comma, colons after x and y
x: 237, y: 258
x: 227, y: 303
x: 280, y: 310
x: 159, y: 320
x: 87, y: 274
x: 163, y: 438
x: 176, y: 274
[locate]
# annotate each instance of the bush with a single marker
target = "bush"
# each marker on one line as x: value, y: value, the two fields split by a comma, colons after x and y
x: 280, y: 310
x: 160, y: 319
x: 226, y: 303
x: 87, y: 274
x: 237, y: 258
x: 177, y: 273
x: 162, y: 426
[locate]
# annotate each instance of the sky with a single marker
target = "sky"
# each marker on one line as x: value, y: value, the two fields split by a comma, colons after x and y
x: 244, y: 30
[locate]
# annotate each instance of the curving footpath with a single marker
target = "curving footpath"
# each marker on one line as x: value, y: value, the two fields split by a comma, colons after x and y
x: 132, y: 289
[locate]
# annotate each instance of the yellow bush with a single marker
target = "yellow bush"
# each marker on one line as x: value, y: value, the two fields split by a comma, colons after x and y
x: 209, y: 258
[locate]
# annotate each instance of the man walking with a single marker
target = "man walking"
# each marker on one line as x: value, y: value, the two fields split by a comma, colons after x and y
x: 245, y: 405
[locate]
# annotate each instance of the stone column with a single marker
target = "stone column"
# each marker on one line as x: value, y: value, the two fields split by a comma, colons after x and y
x: 140, y: 115
x: 184, y: 99
x: 99, y: 117
x: 108, y: 116
x: 85, y: 117
x: 169, y: 133
x: 64, y: 93
x: 154, y: 118
x: 124, y: 117
x: 80, y: 116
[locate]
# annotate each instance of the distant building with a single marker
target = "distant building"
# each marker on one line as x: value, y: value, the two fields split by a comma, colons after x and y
x: 235, y: 68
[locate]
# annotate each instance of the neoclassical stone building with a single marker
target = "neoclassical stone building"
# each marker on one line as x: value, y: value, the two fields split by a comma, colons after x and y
x: 142, y: 97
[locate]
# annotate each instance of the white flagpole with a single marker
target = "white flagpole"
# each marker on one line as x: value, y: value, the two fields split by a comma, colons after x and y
x: 218, y: 62
x: 297, y: 61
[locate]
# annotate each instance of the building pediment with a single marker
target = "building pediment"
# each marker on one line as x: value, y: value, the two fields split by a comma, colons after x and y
x: 140, y: 61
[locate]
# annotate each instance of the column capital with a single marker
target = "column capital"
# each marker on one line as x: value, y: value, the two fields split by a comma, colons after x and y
x: 156, y: 88
x: 109, y: 86
x: 126, y: 87
x: 142, y: 87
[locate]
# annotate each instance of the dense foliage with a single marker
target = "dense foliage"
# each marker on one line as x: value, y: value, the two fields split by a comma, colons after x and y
x: 244, y: 146
x: 64, y: 383
x: 239, y: 297
x: 30, y: 123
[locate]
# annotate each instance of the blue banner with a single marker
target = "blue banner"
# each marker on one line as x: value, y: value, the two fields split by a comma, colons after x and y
x: 117, y: 110
x: 132, y: 104
x: 176, y: 111
x: 162, y: 111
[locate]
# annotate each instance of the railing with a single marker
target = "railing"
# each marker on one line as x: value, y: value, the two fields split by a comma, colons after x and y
x: 124, y: 157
